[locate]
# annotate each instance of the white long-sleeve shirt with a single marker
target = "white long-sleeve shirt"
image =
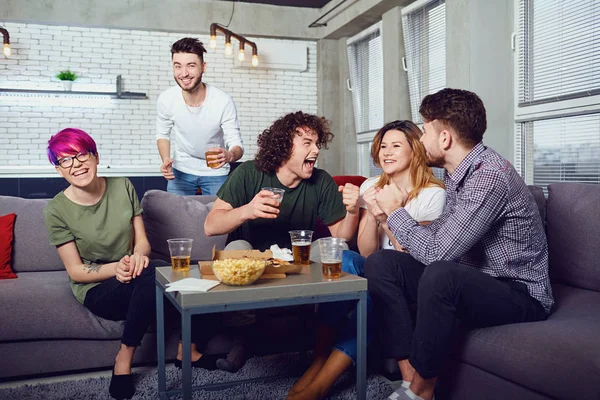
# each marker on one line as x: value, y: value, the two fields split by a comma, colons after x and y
x: 193, y: 128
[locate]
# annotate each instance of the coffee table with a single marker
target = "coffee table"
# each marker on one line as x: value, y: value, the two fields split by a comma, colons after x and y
x: 308, y: 287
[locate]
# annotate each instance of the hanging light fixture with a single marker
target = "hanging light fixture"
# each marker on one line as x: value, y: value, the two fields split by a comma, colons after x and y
x: 214, y: 28
x: 6, y: 37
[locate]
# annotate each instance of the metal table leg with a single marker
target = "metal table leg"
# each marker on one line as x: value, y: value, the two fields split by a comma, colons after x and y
x: 361, y: 359
x: 160, y: 342
x: 186, y: 362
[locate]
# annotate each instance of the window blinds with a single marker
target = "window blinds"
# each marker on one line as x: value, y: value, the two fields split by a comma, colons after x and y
x: 424, y: 27
x: 559, y: 56
x: 558, y: 62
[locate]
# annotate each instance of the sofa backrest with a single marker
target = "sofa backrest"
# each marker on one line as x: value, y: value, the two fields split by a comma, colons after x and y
x: 31, y: 248
x: 167, y: 216
x: 573, y: 229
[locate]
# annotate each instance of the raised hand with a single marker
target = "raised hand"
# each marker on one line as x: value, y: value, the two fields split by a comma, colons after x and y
x: 391, y: 197
x: 350, y: 194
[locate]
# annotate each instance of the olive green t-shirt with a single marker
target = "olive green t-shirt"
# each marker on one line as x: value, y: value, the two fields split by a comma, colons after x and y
x: 315, y: 197
x: 102, y: 232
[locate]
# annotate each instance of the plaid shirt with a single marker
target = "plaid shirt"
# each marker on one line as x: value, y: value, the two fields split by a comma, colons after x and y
x: 491, y: 222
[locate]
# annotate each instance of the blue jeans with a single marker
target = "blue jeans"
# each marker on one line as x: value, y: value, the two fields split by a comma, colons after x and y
x: 342, y: 314
x: 187, y: 184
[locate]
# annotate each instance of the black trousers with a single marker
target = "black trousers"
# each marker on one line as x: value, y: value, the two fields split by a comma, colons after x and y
x: 444, y: 293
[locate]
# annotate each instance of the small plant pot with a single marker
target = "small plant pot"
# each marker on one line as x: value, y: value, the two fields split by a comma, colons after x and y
x: 67, y: 85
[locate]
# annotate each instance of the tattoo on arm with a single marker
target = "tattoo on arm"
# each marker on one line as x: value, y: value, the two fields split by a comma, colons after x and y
x: 93, y: 267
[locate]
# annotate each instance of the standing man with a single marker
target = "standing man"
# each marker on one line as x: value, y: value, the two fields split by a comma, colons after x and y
x: 198, y: 115
x: 483, y: 262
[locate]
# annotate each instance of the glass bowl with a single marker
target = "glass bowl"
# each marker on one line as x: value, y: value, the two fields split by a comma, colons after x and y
x: 238, y: 272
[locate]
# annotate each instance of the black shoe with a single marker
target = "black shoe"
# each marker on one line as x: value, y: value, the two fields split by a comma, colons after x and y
x: 240, y: 352
x: 121, y: 386
x: 207, y: 361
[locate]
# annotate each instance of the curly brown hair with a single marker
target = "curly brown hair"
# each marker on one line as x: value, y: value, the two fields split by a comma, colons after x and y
x: 461, y: 110
x: 276, y: 143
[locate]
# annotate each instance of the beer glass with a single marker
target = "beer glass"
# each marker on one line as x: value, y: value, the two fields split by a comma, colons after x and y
x: 331, y: 256
x: 181, y: 253
x: 277, y: 193
x: 212, y: 149
x: 301, y: 240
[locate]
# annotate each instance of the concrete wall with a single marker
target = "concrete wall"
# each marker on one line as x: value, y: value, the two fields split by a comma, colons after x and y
x: 480, y: 59
x: 124, y: 129
x: 160, y: 15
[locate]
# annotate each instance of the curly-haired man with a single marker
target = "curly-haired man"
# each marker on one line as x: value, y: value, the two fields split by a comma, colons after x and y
x: 254, y: 219
x: 286, y: 159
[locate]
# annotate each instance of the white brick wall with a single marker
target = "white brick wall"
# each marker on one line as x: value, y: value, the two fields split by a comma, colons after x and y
x: 125, y: 129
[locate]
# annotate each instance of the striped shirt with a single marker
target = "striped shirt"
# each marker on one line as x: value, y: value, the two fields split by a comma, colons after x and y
x: 491, y: 222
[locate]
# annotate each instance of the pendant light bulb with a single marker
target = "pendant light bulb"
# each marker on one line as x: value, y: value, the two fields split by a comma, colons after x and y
x: 213, y: 41
x: 228, y: 49
x: 241, y: 55
x: 255, y: 60
x: 6, y: 49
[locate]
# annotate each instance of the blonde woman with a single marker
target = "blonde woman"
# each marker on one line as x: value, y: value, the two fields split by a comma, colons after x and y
x: 397, y: 150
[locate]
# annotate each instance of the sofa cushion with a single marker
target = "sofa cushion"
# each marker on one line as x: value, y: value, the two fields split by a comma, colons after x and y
x: 573, y: 231
x: 31, y: 248
x: 559, y: 357
x: 41, y: 305
x: 167, y: 215
x: 540, y: 200
x: 6, y: 240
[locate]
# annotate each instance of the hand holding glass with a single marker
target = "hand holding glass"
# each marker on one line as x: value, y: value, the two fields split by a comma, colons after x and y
x: 211, y: 154
x: 277, y: 193
x: 181, y: 253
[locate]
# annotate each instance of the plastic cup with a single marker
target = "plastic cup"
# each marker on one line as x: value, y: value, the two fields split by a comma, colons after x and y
x: 212, y: 149
x: 301, y: 240
x: 277, y: 193
x: 181, y: 253
x: 331, y: 256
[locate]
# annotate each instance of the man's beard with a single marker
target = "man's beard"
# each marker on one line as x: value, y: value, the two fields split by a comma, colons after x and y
x: 434, y: 161
x: 193, y: 88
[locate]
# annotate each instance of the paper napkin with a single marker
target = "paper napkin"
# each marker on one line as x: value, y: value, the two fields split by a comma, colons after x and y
x: 281, y: 254
x: 191, y: 285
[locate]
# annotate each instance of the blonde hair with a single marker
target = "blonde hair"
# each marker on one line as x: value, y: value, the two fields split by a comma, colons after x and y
x: 421, y: 175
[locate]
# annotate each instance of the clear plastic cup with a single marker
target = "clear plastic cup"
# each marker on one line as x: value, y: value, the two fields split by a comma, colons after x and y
x: 301, y: 241
x: 212, y: 149
x: 277, y: 193
x: 181, y: 253
x: 331, y: 250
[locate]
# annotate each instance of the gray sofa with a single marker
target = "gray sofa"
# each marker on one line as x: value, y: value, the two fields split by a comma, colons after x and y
x: 560, y: 357
x: 45, y: 331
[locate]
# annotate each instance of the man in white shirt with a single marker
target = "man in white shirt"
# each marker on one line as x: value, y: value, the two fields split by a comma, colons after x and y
x: 199, y: 116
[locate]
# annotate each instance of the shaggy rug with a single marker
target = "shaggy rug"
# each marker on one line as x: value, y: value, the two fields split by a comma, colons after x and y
x: 257, y: 367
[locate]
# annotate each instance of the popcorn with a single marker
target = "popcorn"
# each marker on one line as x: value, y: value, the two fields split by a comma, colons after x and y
x: 238, y: 272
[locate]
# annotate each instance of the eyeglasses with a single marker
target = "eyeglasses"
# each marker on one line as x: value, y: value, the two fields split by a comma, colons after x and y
x: 67, y: 162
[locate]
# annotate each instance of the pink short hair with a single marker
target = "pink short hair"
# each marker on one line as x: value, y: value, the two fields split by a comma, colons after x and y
x: 70, y: 141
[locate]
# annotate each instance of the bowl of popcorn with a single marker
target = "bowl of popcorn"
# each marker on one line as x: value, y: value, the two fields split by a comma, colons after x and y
x: 238, y: 272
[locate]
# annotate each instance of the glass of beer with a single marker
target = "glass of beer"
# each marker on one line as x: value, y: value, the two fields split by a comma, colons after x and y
x: 212, y: 150
x: 181, y: 253
x: 331, y: 256
x: 301, y: 240
x: 277, y: 193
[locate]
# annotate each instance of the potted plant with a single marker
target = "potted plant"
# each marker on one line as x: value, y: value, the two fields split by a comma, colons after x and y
x: 67, y: 77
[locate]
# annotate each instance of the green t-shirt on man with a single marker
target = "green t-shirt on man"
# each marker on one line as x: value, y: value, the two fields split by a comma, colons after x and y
x: 103, y: 232
x: 315, y: 197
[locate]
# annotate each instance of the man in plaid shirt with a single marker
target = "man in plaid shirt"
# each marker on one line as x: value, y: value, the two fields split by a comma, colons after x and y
x: 484, y: 262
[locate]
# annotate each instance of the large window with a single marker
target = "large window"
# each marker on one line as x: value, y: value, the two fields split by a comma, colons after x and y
x: 424, y: 25
x: 365, y: 57
x: 558, y: 91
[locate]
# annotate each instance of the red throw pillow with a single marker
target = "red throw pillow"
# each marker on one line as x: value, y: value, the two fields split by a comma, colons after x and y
x: 6, y: 238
